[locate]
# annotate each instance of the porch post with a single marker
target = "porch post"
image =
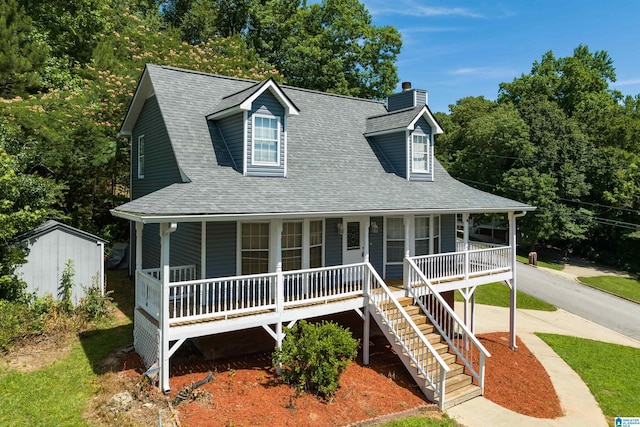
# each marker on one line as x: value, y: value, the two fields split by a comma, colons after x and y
x: 465, y: 235
x: 203, y: 250
x: 165, y: 232
x: 473, y: 312
x: 276, y: 243
x: 407, y: 220
x: 139, y: 229
x: 512, y: 309
x: 466, y: 297
x: 367, y: 227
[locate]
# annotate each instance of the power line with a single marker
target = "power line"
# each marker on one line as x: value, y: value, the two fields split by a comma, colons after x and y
x: 636, y: 211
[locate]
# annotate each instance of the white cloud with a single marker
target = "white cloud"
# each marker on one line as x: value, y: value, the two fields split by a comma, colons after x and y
x: 627, y: 82
x: 484, y: 72
x: 413, y: 8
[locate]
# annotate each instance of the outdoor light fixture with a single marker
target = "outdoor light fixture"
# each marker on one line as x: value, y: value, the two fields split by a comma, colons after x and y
x: 374, y: 227
x: 340, y: 228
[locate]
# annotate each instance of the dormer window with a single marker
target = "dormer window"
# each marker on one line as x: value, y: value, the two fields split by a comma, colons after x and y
x: 266, y: 137
x: 420, y: 156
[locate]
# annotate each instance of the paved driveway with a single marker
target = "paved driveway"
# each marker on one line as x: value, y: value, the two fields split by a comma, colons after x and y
x: 564, y: 291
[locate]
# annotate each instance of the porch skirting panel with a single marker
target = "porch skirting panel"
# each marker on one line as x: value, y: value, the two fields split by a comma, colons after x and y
x: 146, y: 338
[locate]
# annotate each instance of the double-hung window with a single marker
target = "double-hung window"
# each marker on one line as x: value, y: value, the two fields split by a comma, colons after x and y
x: 291, y: 246
x: 141, y: 156
x: 395, y: 240
x: 255, y: 248
x: 315, y: 243
x: 422, y: 235
x: 420, y: 155
x: 266, y: 140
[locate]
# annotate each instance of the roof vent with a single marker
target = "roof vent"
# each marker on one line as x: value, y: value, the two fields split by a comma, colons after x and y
x: 406, y: 86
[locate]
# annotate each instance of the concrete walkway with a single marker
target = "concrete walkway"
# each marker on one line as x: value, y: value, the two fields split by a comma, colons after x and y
x: 578, y: 404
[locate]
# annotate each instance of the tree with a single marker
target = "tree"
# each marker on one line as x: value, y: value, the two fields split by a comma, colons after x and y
x: 329, y: 46
x: 22, y: 51
x: 25, y: 201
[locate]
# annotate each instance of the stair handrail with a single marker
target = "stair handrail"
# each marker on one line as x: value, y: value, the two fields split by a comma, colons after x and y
x: 441, y: 364
x: 467, y: 335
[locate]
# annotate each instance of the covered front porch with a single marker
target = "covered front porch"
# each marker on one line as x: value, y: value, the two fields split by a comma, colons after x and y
x: 174, y: 304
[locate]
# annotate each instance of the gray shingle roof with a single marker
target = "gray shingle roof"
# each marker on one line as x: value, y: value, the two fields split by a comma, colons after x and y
x: 331, y: 165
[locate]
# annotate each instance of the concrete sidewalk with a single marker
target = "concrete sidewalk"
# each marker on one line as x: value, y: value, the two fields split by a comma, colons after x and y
x: 578, y: 404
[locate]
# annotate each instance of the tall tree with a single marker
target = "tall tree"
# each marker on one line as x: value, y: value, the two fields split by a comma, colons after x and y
x: 329, y: 46
x: 22, y: 51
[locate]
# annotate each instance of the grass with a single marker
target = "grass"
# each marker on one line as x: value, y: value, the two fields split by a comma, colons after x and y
x: 498, y: 294
x: 445, y: 421
x: 621, y: 286
x: 611, y: 371
x: 545, y: 264
x: 58, y: 393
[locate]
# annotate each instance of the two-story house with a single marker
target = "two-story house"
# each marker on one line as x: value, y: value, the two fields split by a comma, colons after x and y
x: 256, y: 205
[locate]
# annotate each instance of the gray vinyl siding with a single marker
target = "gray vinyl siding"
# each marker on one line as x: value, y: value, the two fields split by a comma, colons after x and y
x: 232, y: 130
x: 221, y: 249
x: 161, y: 168
x: 422, y: 128
x: 400, y: 101
x: 448, y: 233
x: 185, y: 245
x: 394, y: 271
x: 268, y: 105
x: 376, y: 245
x: 333, y: 248
x: 394, y: 149
x: 150, y: 246
x: 421, y: 97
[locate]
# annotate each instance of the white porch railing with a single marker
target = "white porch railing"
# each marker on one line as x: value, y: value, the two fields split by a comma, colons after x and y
x: 423, y: 356
x: 461, y: 265
x: 466, y: 346
x: 149, y: 294
x: 323, y: 284
x: 179, y: 273
x: 222, y: 297
x: 205, y: 299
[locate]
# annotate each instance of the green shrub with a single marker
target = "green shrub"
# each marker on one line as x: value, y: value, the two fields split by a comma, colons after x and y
x: 94, y: 305
x: 18, y: 320
x: 313, y: 356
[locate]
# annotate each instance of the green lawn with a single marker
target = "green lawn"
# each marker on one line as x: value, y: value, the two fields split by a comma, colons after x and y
x: 551, y: 265
x: 625, y: 287
x: 422, y: 422
x: 57, y: 395
x: 498, y: 294
x: 611, y: 371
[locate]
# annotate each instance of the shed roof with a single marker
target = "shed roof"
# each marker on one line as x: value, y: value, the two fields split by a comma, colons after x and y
x: 51, y: 225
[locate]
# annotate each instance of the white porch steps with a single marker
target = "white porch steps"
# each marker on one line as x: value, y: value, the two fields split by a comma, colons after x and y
x: 459, y: 386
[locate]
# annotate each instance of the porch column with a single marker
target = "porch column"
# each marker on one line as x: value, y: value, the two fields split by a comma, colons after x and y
x: 465, y: 234
x: 512, y: 282
x: 367, y: 227
x: 203, y: 250
x: 407, y: 220
x: 139, y: 229
x: 275, y: 233
x: 165, y: 232
x: 473, y: 312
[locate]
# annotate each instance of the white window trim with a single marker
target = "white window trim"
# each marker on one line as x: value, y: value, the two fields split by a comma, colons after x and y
x: 253, y: 140
x: 140, y: 173
x: 239, y: 243
x: 427, y: 152
x: 385, y: 240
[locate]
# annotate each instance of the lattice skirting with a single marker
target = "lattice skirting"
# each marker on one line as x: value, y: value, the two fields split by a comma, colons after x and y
x: 146, y: 339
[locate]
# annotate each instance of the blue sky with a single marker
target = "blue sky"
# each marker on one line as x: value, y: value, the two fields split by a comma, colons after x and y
x: 461, y: 48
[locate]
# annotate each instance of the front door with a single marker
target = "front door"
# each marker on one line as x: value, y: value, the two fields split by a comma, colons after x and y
x: 353, y: 241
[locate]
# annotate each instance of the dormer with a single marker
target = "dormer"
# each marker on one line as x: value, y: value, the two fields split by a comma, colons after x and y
x: 403, y: 136
x: 253, y: 125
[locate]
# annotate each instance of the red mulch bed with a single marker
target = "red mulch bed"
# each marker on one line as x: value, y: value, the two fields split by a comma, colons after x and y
x: 516, y: 380
x: 245, y: 391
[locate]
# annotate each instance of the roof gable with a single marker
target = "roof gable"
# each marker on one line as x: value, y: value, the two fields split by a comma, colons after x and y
x: 51, y: 225
x: 400, y: 121
x: 242, y: 101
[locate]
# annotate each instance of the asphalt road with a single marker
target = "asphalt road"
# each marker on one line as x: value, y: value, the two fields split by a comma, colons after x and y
x: 599, y: 307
